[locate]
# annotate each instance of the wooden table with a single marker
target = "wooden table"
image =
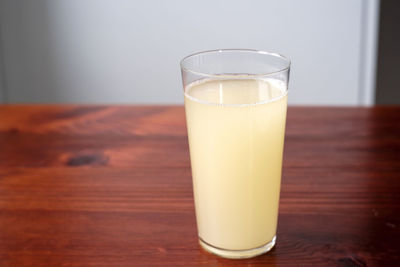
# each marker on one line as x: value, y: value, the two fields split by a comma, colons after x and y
x: 111, y: 186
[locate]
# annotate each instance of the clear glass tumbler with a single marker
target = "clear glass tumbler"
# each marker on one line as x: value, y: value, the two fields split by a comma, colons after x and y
x: 235, y: 103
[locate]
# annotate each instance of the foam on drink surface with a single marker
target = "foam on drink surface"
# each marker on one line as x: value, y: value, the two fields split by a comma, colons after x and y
x: 236, y: 92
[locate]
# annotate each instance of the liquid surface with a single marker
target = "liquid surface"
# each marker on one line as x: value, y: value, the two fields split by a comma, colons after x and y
x: 236, y: 133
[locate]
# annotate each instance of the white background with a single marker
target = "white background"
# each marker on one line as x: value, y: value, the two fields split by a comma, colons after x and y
x: 124, y: 51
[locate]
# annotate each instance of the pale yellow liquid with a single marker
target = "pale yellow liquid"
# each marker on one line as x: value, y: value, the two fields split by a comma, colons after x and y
x: 236, y: 132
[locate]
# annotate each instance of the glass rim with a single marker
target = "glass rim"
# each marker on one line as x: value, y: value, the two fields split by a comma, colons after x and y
x: 255, y: 51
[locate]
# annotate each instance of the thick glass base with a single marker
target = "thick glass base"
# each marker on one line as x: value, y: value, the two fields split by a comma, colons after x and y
x: 238, y: 254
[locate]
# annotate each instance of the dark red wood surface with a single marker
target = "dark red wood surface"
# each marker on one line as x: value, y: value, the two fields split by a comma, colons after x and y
x: 111, y: 186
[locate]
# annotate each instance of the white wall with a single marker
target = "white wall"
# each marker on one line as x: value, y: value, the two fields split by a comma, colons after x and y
x: 126, y: 51
x: 2, y: 72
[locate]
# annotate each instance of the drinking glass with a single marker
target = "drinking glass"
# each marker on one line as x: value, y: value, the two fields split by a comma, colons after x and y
x: 235, y: 104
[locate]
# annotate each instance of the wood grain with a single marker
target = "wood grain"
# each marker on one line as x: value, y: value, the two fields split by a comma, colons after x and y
x: 111, y: 186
